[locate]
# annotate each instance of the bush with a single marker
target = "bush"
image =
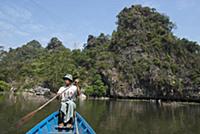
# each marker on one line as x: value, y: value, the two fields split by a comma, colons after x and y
x: 97, y: 87
x: 4, y: 86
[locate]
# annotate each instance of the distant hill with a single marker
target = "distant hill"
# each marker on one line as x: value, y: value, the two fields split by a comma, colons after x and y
x: 141, y: 59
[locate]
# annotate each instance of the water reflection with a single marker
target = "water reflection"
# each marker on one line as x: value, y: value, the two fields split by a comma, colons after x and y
x: 108, y: 116
x: 141, y: 117
x: 15, y: 106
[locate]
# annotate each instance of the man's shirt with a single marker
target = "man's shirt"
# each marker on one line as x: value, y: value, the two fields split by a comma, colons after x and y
x: 69, y: 94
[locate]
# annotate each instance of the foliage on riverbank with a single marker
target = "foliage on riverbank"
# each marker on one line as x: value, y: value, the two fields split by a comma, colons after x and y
x: 4, y: 86
x: 142, y: 58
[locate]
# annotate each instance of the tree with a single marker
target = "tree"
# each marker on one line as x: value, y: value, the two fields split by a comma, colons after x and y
x: 97, y: 88
x: 93, y: 41
x: 2, y: 52
x: 139, y: 25
x: 55, y: 44
x: 142, y: 58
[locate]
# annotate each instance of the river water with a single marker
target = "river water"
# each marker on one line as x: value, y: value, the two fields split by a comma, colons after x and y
x: 108, y: 116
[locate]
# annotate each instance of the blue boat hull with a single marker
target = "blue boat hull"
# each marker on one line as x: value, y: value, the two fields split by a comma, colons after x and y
x: 48, y: 126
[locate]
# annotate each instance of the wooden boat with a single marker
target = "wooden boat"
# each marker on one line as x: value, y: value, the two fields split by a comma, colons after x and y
x: 50, y: 126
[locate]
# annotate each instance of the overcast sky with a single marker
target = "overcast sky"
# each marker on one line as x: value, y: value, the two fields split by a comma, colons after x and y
x: 72, y: 20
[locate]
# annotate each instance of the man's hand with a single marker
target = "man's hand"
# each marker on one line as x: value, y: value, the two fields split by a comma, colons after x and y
x: 76, y: 83
x: 58, y: 96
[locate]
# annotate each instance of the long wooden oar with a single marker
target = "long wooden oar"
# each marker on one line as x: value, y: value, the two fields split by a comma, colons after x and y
x: 31, y: 114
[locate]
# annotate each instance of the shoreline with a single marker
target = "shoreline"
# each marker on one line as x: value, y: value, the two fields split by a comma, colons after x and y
x: 150, y: 99
x: 160, y: 99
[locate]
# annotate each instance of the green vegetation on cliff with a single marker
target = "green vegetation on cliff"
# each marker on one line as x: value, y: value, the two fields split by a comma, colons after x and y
x: 4, y: 86
x: 142, y: 58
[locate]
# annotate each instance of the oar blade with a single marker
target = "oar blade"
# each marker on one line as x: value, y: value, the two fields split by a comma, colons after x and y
x: 25, y: 119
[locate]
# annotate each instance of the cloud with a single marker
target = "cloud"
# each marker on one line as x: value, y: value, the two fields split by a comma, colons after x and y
x: 17, y: 24
x: 68, y: 39
x: 185, y: 4
x: 17, y: 20
x: 5, y: 46
x: 13, y: 13
x: 149, y: 3
x: 8, y: 31
x: 2, y: 44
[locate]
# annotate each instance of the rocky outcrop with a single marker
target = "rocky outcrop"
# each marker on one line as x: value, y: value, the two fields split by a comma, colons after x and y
x: 149, y: 61
x: 38, y: 90
x: 141, y: 59
x: 82, y: 96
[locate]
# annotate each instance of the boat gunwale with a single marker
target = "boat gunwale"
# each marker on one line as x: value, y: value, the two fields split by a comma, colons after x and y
x: 45, y: 121
x: 85, y: 123
x: 38, y: 126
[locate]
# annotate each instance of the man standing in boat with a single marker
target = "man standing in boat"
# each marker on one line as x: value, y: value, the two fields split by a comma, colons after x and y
x: 68, y: 94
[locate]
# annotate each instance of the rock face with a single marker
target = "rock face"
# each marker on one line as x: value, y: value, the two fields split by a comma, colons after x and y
x: 82, y: 96
x: 141, y: 59
x: 149, y: 61
x: 38, y: 90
